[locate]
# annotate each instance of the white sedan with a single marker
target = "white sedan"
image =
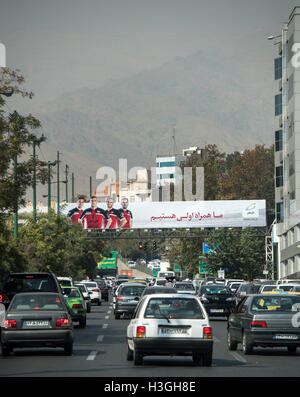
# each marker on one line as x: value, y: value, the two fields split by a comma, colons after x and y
x: 170, y: 324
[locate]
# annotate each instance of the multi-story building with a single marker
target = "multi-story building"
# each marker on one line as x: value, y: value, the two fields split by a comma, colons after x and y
x: 287, y: 148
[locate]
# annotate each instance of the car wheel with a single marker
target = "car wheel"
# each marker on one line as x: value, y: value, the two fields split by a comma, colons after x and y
x: 68, y: 348
x: 232, y: 344
x: 82, y: 323
x: 246, y: 345
x: 196, y: 358
x: 129, y: 353
x: 117, y: 316
x: 207, y: 359
x: 292, y: 349
x: 99, y: 303
x: 137, y: 358
x: 5, y: 350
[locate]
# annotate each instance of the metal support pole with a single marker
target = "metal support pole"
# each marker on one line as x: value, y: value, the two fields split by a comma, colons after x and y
x: 58, y: 182
x: 16, y: 231
x: 67, y: 185
x: 91, y: 188
x: 34, y: 181
x: 73, y: 195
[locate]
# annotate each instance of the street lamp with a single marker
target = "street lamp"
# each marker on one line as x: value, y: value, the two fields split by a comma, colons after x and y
x: 50, y: 164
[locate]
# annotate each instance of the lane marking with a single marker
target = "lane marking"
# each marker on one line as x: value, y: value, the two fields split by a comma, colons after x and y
x: 238, y: 357
x: 100, y: 338
x: 106, y: 317
x: 92, y: 355
x: 109, y: 312
x: 104, y: 325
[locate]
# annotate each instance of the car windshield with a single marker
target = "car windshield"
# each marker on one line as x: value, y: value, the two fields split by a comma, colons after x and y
x: 67, y: 283
x: 184, y: 286
x: 131, y: 291
x: 161, y: 282
x: 176, y: 308
x: 36, y: 302
x: 71, y: 292
x: 275, y: 304
x: 215, y: 289
x: 30, y: 283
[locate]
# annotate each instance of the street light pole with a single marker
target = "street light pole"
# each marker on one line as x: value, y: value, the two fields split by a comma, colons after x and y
x: 34, y: 181
x: 73, y: 195
x: 50, y: 164
x: 16, y: 231
x: 58, y: 192
x: 67, y: 186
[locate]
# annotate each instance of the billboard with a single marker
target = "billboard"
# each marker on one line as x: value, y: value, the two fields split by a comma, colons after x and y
x: 171, y: 214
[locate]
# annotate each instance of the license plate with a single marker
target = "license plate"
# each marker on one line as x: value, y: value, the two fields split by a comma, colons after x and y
x: 216, y: 310
x: 36, y: 324
x: 285, y: 337
x: 173, y: 331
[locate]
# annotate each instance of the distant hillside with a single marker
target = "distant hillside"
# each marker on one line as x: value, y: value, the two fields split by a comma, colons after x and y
x: 133, y: 118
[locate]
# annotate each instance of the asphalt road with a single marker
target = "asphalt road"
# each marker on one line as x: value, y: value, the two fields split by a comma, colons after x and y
x: 100, y: 351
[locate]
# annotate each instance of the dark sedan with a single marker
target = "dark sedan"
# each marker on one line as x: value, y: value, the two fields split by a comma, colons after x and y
x: 265, y: 320
x: 37, y: 320
x: 127, y: 299
x: 218, y: 300
x: 104, y: 289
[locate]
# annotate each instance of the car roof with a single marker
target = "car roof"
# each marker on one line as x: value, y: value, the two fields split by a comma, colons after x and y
x: 134, y: 285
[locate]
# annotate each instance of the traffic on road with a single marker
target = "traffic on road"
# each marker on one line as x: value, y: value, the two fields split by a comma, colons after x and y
x: 183, y: 327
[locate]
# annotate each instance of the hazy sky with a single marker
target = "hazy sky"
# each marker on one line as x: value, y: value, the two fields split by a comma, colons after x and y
x: 62, y: 45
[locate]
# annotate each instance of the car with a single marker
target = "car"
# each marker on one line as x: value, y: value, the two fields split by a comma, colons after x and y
x: 37, y: 319
x: 139, y: 280
x: 76, y: 304
x: 267, y: 288
x: 218, y: 300
x: 86, y: 295
x: 233, y: 280
x: 92, y: 287
x: 234, y: 286
x: 265, y: 320
x: 28, y: 282
x: 170, y: 324
x: 246, y: 289
x: 104, y: 289
x: 184, y: 288
x: 117, y: 283
x: 160, y: 281
x: 159, y: 289
x: 65, y: 281
x: 127, y: 298
x: 131, y: 264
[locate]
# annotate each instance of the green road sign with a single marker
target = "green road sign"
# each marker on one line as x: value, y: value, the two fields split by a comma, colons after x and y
x: 155, y: 271
x: 203, y: 266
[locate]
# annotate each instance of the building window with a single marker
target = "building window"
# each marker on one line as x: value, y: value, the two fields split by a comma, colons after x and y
x: 278, y: 141
x: 278, y: 68
x: 279, y: 176
x: 167, y: 164
x: 278, y: 104
x: 279, y: 212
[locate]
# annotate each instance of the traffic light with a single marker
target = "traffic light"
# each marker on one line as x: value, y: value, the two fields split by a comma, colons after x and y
x: 140, y: 245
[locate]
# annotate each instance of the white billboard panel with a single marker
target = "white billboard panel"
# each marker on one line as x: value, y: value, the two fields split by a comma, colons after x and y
x: 174, y: 214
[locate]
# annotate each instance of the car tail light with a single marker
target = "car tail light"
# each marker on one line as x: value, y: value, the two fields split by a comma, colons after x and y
x: 62, y: 322
x: 77, y: 306
x: 140, y: 332
x: 207, y: 333
x: 10, y: 324
x: 105, y: 288
x: 95, y: 290
x: 119, y: 298
x: 258, y: 324
x: 4, y: 298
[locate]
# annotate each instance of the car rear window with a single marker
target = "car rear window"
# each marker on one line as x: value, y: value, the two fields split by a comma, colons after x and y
x: 184, y: 286
x: 71, y: 292
x: 176, y: 308
x: 131, y: 291
x: 215, y: 290
x: 275, y: 304
x: 36, y: 302
x: 30, y: 283
x: 91, y: 285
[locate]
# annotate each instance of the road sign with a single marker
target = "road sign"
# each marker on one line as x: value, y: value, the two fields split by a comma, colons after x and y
x: 155, y: 271
x: 203, y: 267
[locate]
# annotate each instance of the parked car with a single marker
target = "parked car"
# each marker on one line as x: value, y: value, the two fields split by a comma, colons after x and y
x: 28, y: 282
x: 37, y: 320
x: 185, y: 288
x: 104, y: 289
x: 92, y: 287
x: 86, y: 295
x: 76, y: 304
x: 218, y: 300
x: 264, y: 320
x: 167, y: 324
x: 127, y: 298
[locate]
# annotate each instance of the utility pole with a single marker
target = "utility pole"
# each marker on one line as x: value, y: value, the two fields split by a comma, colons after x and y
x: 34, y: 180
x: 16, y: 231
x: 58, y: 191
x: 73, y: 195
x: 67, y: 186
x: 91, y: 188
